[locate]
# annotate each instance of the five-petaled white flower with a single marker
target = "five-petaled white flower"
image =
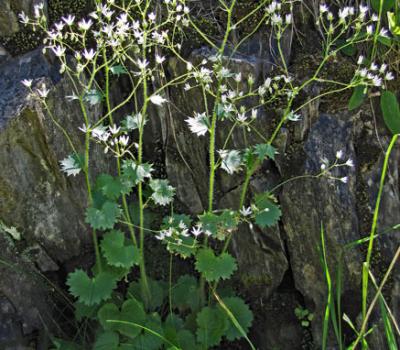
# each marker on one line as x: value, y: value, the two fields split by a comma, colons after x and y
x: 339, y: 154
x: 85, y: 25
x: 59, y: 51
x: 43, y: 92
x: 69, y: 20
x: 246, y: 211
x: 89, y: 55
x: 196, y: 231
x: 123, y: 140
x: 27, y: 82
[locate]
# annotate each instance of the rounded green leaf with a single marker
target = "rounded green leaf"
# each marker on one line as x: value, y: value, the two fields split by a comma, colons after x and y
x: 131, y: 311
x: 214, y: 267
x: 242, y: 313
x: 357, y: 98
x: 212, y: 323
x: 391, y: 112
x: 116, y: 252
x: 91, y: 291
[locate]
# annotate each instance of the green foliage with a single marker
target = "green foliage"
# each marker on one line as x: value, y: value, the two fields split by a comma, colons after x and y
x: 107, y: 341
x: 163, y: 193
x: 304, y: 316
x: 135, y: 173
x: 387, y: 5
x: 185, y: 293
x: 158, y: 291
x: 104, y: 218
x: 214, y: 267
x: 241, y: 312
x: 112, y: 187
x: 265, y: 150
x: 93, y: 97
x: 117, y: 252
x: 391, y: 111
x: 357, y: 98
x: 212, y: 325
x: 267, y: 213
x: 91, y: 291
x: 131, y: 311
x: 219, y: 225
x: 118, y: 70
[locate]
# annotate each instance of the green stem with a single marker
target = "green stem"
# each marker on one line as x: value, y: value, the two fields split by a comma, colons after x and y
x: 375, y: 223
x: 88, y: 184
x: 110, y: 118
x: 143, y: 277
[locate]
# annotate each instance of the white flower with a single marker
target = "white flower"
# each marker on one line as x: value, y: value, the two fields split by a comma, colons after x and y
x: 238, y: 77
x: 374, y: 18
x: 23, y: 18
x: 58, y: 51
x: 389, y: 76
x: 241, y: 117
x: 373, y: 66
x: 123, y: 140
x: 294, y: 117
x: 288, y: 18
x: 339, y: 154
x: 85, y: 129
x: 157, y: 100
x: 27, y: 82
x: 349, y: 163
x: 344, y: 179
x: 85, y: 25
x: 69, y: 20
x: 43, y: 92
x: 114, y: 129
x: 276, y: 19
x: 363, y: 72
x: 89, y: 55
x: 377, y: 81
x: 160, y: 59
x: 198, y: 124
x: 323, y: 8
x: 72, y: 97
x: 152, y: 16
x: 370, y: 29
x: 142, y: 64
x: 360, y: 60
x: 383, y: 68
x: 160, y: 236
x: 246, y: 211
x: 363, y: 9
x: 99, y: 131
x: 196, y: 231
x: 231, y: 160
x: 384, y: 32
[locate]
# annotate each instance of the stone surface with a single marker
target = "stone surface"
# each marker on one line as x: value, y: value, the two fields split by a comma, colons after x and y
x: 35, y: 197
x: 8, y: 19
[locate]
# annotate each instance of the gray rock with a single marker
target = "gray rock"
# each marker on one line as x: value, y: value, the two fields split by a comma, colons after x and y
x: 9, y: 11
x: 8, y: 19
x: 309, y: 203
x: 45, y: 206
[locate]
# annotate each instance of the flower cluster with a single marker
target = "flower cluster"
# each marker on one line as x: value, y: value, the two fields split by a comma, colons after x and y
x: 356, y: 18
x: 327, y: 167
x: 373, y: 74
